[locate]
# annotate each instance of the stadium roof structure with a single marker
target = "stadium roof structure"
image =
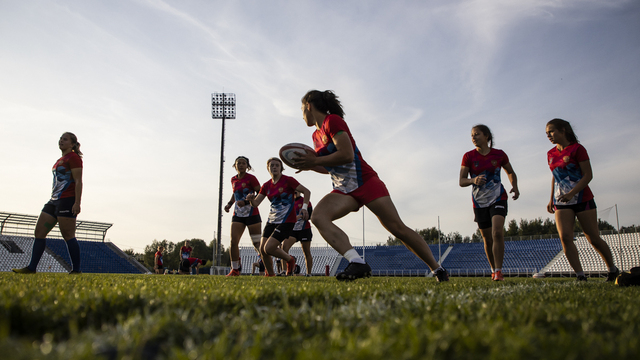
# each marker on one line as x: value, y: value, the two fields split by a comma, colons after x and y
x: 24, y: 225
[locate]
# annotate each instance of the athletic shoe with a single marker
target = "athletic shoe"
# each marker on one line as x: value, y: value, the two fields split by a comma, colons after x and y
x: 498, y: 276
x: 24, y: 270
x: 581, y: 278
x: 233, y: 272
x: 75, y: 272
x: 441, y: 274
x: 355, y: 271
x: 493, y: 276
x: 307, y: 275
x: 611, y: 277
x: 266, y: 274
x: 291, y: 265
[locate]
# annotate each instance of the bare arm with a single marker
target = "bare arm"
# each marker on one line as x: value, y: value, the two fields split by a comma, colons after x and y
x: 550, y: 204
x: 513, y: 179
x: 307, y: 197
x: 465, y: 181
x: 255, y: 200
x: 76, y: 173
x: 230, y: 203
x: 587, y: 175
x: 343, y: 155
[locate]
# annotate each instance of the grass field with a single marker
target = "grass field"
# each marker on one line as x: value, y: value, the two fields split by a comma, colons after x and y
x: 92, y: 316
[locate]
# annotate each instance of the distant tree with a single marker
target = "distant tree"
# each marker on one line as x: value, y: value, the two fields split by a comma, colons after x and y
x: 170, y: 260
x: 226, y: 256
x: 393, y: 241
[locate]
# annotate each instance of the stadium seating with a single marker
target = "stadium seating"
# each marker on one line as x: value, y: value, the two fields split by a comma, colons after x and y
x: 96, y: 257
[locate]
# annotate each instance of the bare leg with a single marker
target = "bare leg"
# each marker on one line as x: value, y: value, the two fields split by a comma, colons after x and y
x: 332, y: 207
x: 589, y: 222
x: 306, y: 248
x: 497, y: 233
x: 386, y: 212
x: 487, y: 237
x: 237, y: 229
x: 565, y: 219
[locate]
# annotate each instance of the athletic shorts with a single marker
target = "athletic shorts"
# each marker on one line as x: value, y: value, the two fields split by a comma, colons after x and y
x: 249, y: 220
x: 279, y: 232
x: 580, y: 207
x: 60, y: 208
x: 261, y: 267
x: 373, y: 189
x: 302, y: 235
x: 484, y: 215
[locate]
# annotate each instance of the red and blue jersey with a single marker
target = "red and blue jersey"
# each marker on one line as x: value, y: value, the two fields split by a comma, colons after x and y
x: 565, y: 167
x: 490, y: 166
x: 301, y: 223
x: 346, y: 177
x: 281, y: 196
x: 186, y: 251
x: 242, y: 188
x: 158, y: 257
x: 64, y: 185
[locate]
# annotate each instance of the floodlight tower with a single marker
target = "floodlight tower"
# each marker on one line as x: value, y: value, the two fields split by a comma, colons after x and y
x: 223, y: 106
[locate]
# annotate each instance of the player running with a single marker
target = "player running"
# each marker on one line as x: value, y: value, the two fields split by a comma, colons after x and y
x: 571, y: 196
x: 244, y: 215
x: 282, y: 216
x: 488, y: 195
x: 63, y: 207
x: 355, y: 184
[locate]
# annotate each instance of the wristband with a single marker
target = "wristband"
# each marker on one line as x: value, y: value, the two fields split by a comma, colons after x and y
x: 304, y: 206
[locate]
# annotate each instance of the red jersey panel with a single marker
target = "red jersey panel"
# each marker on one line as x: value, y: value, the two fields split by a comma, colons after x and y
x: 565, y: 167
x: 346, y: 177
x: 242, y: 188
x: 281, y: 196
x: 63, y: 184
x: 490, y: 166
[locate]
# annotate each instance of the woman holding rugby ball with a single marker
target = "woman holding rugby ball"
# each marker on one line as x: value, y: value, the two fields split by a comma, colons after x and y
x: 282, y: 216
x: 355, y: 184
x: 63, y: 207
x: 244, y: 215
x: 484, y: 163
x: 571, y: 196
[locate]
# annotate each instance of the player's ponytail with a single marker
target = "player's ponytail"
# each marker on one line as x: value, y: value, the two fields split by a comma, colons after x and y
x: 324, y: 101
x: 76, y: 144
x: 565, y: 127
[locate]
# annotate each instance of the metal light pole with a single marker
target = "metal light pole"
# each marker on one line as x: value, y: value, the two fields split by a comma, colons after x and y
x: 223, y: 106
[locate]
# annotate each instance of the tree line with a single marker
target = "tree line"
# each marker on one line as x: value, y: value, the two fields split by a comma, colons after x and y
x: 514, y: 228
x: 171, y: 257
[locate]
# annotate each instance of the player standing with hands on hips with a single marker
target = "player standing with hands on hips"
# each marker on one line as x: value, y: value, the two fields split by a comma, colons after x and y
x: 571, y: 196
x: 488, y: 195
x: 64, y: 206
x: 282, y: 215
x: 355, y: 184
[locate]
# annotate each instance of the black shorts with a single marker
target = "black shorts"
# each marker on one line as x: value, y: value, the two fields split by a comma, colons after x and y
x: 484, y: 215
x: 279, y: 232
x: 60, y: 208
x: 260, y: 266
x: 249, y: 220
x: 302, y: 235
x: 580, y: 207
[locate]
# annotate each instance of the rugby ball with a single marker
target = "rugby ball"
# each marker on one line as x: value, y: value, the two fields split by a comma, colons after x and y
x: 288, y: 152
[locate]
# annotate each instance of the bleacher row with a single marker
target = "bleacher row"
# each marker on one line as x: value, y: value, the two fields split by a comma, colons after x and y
x: 96, y: 257
x: 525, y: 257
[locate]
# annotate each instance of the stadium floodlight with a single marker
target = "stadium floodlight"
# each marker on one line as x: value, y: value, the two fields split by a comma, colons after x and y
x: 223, y: 106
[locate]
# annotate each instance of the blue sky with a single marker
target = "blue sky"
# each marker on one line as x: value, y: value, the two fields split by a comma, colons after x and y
x: 133, y: 80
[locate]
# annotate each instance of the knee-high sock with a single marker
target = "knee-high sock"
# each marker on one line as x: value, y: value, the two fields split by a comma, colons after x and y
x: 74, y: 253
x: 38, y: 249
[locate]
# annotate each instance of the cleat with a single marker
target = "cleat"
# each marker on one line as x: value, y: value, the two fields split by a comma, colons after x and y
x: 441, y: 274
x: 233, y: 272
x: 581, y: 278
x: 75, y: 272
x: 493, y: 276
x: 611, y: 276
x: 24, y: 270
x: 291, y: 265
x: 355, y: 271
x: 498, y: 276
x: 267, y: 275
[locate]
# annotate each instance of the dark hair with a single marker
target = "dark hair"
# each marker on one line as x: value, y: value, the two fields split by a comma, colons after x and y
x: 275, y: 159
x: 324, y: 101
x: 565, y: 127
x: 245, y: 159
x: 487, y: 132
x: 76, y: 144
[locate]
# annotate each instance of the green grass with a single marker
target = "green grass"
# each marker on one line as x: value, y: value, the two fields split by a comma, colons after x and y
x: 57, y: 316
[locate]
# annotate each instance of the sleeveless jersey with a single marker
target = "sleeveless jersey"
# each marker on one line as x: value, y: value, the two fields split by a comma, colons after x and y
x: 347, y: 177
x: 490, y: 166
x: 242, y: 188
x: 63, y: 184
x: 565, y: 167
x: 281, y: 196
